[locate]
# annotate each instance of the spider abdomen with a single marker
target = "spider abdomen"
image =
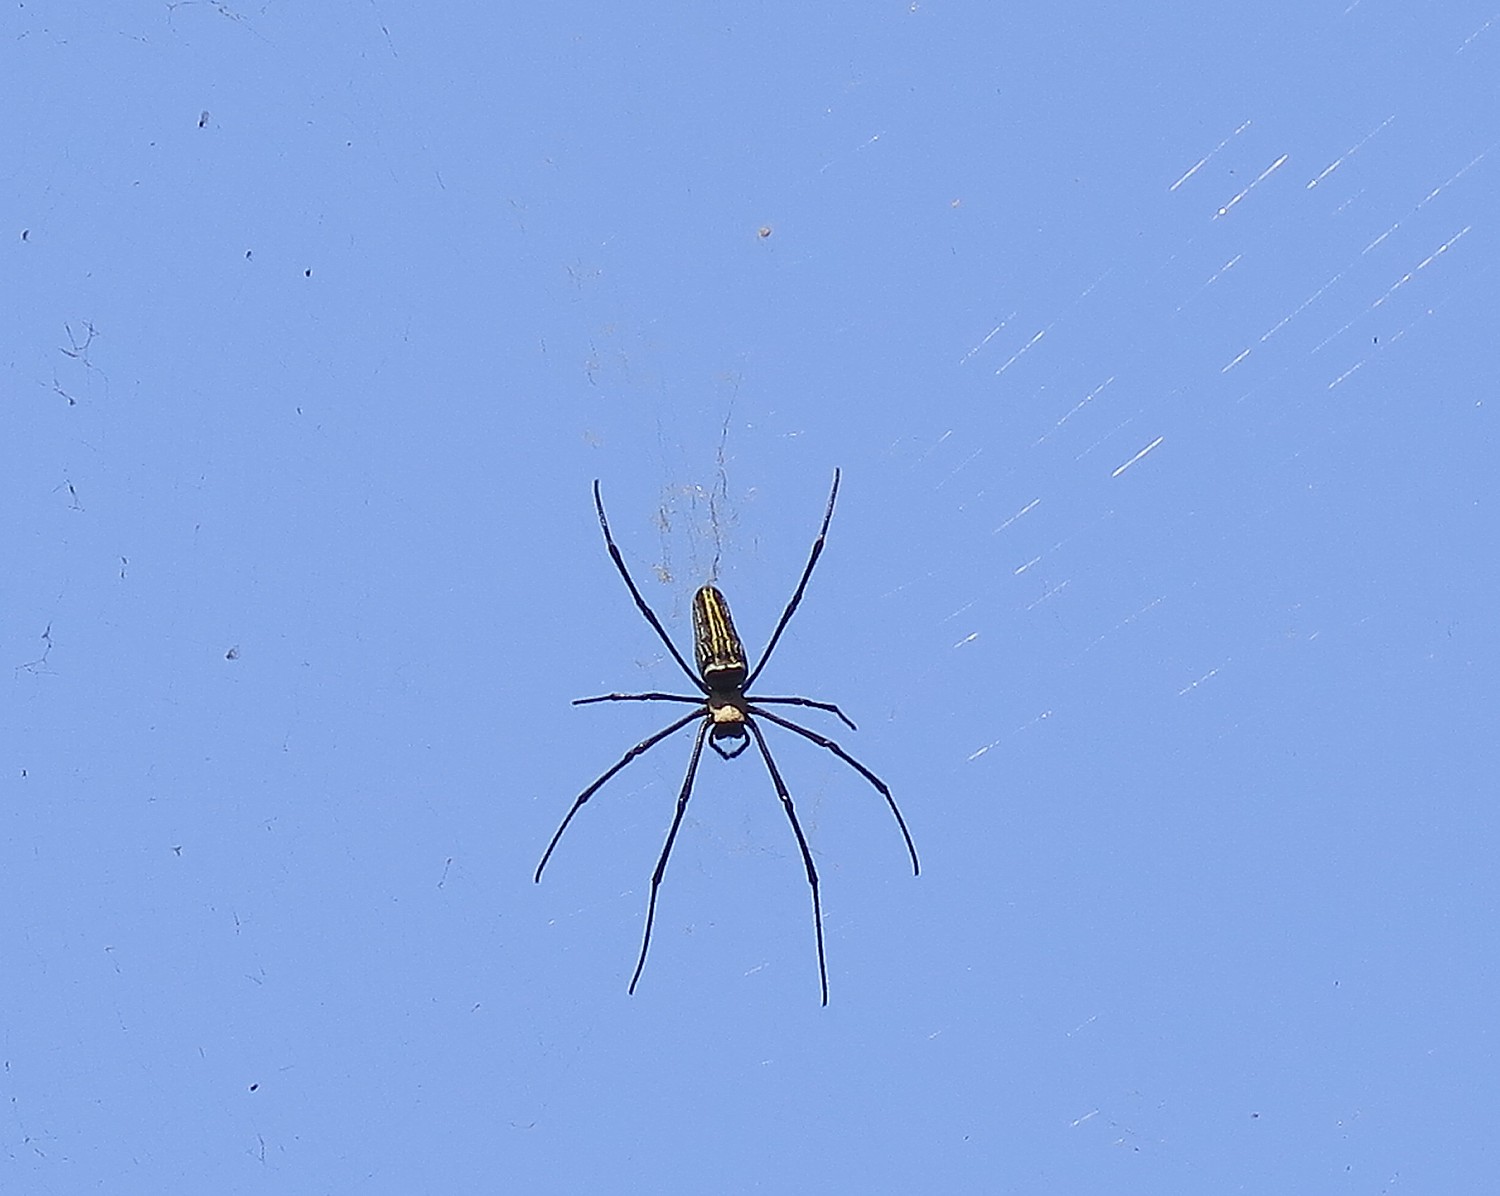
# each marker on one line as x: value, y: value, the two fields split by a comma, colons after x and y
x: 721, y: 656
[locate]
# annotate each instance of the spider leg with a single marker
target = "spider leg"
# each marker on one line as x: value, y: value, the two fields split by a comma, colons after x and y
x: 645, y: 745
x: 807, y: 860
x: 828, y: 706
x: 880, y: 786
x: 791, y: 607
x: 614, y: 553
x: 661, y: 864
x: 651, y: 697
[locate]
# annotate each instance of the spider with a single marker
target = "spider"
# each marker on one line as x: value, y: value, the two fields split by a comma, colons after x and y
x: 725, y: 711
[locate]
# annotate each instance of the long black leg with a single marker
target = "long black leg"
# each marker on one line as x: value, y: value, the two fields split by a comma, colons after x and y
x: 828, y: 706
x: 824, y: 742
x: 614, y: 552
x: 791, y: 607
x: 643, y: 746
x: 807, y: 860
x: 661, y: 864
x: 651, y: 697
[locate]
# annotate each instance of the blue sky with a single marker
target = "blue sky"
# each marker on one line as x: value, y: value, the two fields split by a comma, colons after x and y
x: 1156, y: 352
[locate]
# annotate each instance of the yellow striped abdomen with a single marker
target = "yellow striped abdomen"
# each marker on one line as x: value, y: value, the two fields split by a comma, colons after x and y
x: 721, y: 656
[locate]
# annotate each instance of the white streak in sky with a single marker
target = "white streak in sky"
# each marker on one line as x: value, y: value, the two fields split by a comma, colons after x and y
x: 1187, y: 689
x: 1346, y: 374
x: 1126, y: 622
x: 1016, y: 356
x: 1077, y: 407
x: 1473, y: 35
x: 1422, y: 265
x: 989, y: 336
x: 1052, y: 593
x: 1137, y: 457
x: 1217, y: 274
x: 1259, y: 179
x: 1339, y: 161
x: 1203, y: 161
x: 1397, y: 285
x: 994, y: 743
x: 1016, y: 516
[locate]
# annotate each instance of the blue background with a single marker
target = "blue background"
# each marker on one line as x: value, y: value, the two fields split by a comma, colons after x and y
x: 1157, y: 350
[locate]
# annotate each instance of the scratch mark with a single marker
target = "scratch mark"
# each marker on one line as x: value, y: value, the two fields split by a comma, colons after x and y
x: 1186, y: 689
x: 829, y: 164
x: 1019, y: 353
x: 1482, y: 29
x: 1052, y: 593
x: 1379, y: 239
x: 1305, y: 304
x: 1259, y: 179
x: 1458, y: 174
x: 1041, y: 718
x: 1029, y: 506
x: 1349, y: 153
x: 1125, y: 622
x: 1217, y: 274
x: 1110, y: 435
x: 1429, y: 197
x: 1346, y: 374
x: 935, y: 445
x: 1397, y: 285
x: 1077, y: 407
x: 1422, y: 265
x: 989, y: 336
x: 1137, y: 457
x: 1203, y: 161
x: 961, y: 609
